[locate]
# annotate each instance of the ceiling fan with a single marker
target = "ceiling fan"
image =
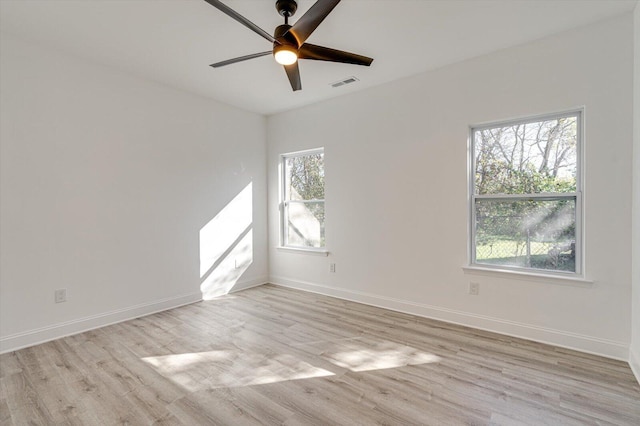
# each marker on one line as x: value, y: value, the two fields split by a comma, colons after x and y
x: 289, y: 40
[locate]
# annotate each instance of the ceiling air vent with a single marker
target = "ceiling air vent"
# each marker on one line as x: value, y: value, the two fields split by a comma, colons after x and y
x: 344, y: 81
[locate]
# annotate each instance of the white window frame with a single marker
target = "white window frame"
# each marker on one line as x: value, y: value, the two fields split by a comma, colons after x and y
x: 578, y: 196
x: 284, y: 203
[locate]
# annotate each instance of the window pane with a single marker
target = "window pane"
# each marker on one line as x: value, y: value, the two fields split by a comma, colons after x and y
x: 305, y: 177
x: 305, y: 224
x: 537, y: 234
x: 527, y: 158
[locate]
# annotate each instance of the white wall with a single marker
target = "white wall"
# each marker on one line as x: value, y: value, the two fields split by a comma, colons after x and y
x: 634, y: 353
x: 106, y: 182
x: 396, y: 189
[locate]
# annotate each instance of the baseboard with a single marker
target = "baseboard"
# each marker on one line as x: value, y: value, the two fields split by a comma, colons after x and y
x: 579, y: 342
x: 33, y: 337
x: 634, y: 363
x: 255, y: 282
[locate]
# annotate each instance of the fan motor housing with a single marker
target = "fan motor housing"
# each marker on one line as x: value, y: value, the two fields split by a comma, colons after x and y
x: 282, y: 35
x: 286, y: 8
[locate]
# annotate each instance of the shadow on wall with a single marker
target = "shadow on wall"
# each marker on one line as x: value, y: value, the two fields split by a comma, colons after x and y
x: 226, y: 246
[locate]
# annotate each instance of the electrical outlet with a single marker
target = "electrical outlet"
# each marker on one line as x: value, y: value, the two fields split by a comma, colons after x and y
x: 60, y: 295
x: 332, y: 267
x: 474, y: 289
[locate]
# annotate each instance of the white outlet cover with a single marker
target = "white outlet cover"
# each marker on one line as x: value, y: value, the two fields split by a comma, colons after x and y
x: 61, y: 295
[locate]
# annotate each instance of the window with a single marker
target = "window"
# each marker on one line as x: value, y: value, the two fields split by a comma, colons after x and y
x: 302, y: 208
x: 525, y: 191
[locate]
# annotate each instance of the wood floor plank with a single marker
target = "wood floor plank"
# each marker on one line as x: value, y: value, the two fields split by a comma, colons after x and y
x: 25, y: 406
x: 274, y: 356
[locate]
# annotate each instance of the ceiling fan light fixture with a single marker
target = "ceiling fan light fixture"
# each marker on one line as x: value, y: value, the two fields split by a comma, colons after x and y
x: 289, y: 41
x: 285, y: 54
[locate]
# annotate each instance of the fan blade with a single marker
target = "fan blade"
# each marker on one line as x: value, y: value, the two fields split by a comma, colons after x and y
x: 293, y: 72
x: 244, y: 21
x: 240, y: 59
x: 320, y: 53
x: 303, y: 28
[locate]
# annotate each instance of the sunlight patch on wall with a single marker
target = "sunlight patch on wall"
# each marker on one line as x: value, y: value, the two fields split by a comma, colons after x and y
x: 217, y: 236
x: 229, y: 270
x: 226, y: 246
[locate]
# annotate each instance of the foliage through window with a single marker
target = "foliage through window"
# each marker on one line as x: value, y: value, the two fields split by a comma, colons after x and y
x: 525, y: 197
x: 303, y: 200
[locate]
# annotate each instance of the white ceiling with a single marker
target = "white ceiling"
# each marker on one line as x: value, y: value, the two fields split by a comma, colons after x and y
x: 174, y: 41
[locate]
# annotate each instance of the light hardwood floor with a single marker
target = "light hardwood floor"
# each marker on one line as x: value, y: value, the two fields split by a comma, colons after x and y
x: 271, y: 355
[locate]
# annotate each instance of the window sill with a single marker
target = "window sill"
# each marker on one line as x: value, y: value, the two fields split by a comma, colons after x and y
x: 312, y: 252
x: 530, y: 276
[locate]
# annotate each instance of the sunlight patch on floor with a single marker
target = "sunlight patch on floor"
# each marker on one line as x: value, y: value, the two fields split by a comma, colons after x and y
x: 368, y: 354
x: 231, y: 368
x: 235, y: 367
